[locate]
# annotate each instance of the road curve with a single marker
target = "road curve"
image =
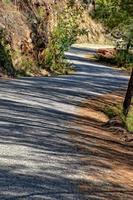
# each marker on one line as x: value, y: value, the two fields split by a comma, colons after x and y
x: 38, y: 159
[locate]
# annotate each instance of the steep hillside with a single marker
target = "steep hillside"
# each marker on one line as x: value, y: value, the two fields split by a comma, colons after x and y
x: 25, y: 28
x: 95, y: 31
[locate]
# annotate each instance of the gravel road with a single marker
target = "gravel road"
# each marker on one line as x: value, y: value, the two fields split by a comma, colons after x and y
x: 38, y: 159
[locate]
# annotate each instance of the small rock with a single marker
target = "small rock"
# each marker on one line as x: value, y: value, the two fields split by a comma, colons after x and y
x: 44, y: 72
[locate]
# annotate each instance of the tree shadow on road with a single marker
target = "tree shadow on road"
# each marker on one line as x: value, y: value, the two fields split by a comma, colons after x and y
x: 107, y: 160
x: 48, y: 151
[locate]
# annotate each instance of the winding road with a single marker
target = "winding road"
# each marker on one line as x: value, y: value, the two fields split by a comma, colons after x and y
x: 38, y: 158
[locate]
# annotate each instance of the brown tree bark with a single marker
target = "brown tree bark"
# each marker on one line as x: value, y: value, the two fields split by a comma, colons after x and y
x: 129, y: 95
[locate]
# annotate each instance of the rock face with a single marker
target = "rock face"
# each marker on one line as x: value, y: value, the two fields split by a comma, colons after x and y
x: 27, y: 25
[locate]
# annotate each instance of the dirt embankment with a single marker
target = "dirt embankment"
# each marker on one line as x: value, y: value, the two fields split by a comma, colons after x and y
x: 25, y: 27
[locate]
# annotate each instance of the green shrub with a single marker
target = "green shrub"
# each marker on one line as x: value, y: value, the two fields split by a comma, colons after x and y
x: 117, y: 111
x: 63, y: 36
x: 27, y: 66
x: 124, y: 59
x: 110, y: 13
x: 5, y: 55
x: 109, y: 111
x: 129, y: 120
x: 118, y: 19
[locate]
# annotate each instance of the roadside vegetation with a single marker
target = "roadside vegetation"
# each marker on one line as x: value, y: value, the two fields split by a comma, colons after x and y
x: 6, y: 64
x: 117, y: 17
x: 116, y: 112
x: 47, y: 32
x: 64, y: 34
x: 34, y: 36
x: 38, y: 32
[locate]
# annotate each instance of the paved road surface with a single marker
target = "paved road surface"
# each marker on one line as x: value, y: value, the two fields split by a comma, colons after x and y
x: 38, y: 159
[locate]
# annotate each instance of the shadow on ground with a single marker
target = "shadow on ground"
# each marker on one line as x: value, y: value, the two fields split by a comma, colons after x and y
x: 108, y: 160
x: 38, y: 155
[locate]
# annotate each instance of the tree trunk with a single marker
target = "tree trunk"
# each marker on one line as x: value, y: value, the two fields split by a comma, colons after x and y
x: 94, y: 5
x: 129, y: 95
x: 128, y: 45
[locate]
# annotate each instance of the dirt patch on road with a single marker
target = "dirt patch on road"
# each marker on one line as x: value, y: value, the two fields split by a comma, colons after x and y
x: 107, y: 160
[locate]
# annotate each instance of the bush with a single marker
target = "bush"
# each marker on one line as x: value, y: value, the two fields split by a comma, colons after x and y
x: 5, y: 55
x: 116, y: 111
x: 63, y: 36
x: 124, y: 59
